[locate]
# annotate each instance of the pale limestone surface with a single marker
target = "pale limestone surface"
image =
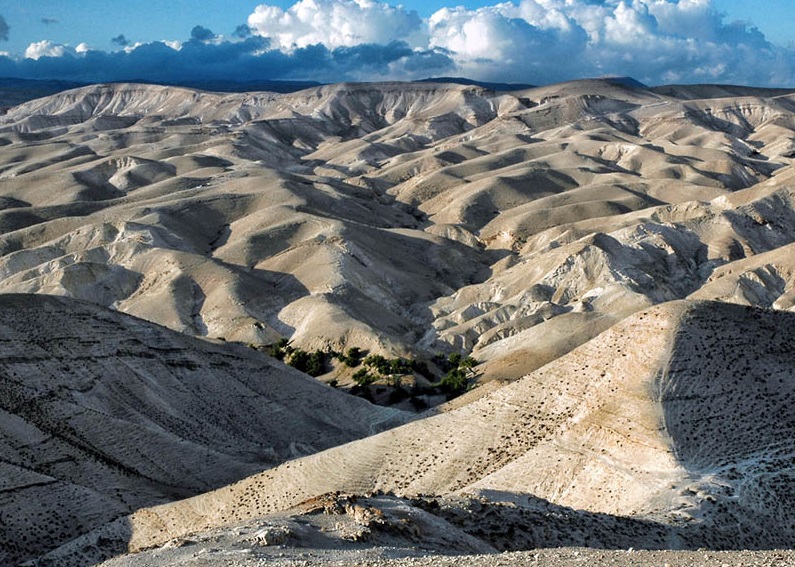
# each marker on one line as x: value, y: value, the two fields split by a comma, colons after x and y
x: 400, y: 217
x: 676, y: 425
x: 537, y: 230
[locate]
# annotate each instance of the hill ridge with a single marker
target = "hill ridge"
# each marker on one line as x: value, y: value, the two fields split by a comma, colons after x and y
x: 527, y: 230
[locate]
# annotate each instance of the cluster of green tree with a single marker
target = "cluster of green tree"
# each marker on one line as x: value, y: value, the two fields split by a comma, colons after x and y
x: 457, y: 367
x: 454, y: 381
x: 352, y: 358
x: 453, y: 361
x: 377, y: 367
x: 312, y: 363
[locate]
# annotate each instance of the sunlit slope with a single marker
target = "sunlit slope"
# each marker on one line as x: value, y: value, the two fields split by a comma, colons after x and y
x: 398, y: 217
x: 681, y: 414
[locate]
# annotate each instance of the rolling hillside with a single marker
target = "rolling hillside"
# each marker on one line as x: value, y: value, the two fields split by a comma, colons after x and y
x: 617, y: 258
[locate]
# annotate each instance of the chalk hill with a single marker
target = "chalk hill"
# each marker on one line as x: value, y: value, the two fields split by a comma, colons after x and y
x: 399, y: 217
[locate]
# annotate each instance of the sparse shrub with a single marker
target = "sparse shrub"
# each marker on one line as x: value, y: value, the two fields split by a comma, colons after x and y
x: 352, y: 358
x: 378, y: 363
x: 399, y: 366
x: 299, y: 359
x: 355, y: 353
x: 278, y: 350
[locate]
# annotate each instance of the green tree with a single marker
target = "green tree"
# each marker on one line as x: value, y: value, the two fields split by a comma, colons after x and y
x: 362, y: 377
x: 299, y: 359
x: 455, y: 382
x: 316, y: 364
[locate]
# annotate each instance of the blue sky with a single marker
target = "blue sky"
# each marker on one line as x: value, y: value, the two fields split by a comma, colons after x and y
x: 532, y: 41
x: 77, y: 21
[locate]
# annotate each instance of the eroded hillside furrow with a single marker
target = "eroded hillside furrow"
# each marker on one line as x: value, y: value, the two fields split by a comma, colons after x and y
x: 290, y: 187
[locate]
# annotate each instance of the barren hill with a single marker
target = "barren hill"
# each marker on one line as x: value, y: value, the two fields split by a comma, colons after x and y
x: 396, y: 217
x: 618, y: 258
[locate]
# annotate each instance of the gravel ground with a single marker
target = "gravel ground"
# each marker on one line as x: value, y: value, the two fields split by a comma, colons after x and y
x: 566, y: 557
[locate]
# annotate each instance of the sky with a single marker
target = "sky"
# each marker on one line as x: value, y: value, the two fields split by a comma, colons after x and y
x: 749, y: 42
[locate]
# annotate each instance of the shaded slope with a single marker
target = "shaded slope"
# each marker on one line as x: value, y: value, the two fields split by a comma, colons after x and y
x: 727, y: 397
x: 101, y: 413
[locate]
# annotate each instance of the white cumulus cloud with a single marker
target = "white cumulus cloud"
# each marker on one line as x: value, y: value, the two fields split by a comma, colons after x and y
x: 507, y: 42
x: 333, y: 23
x: 543, y: 40
x: 46, y: 48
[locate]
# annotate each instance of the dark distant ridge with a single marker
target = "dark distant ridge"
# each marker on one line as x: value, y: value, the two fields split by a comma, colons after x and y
x: 484, y: 84
x: 693, y: 92
x: 628, y: 82
x: 238, y: 86
x: 16, y: 91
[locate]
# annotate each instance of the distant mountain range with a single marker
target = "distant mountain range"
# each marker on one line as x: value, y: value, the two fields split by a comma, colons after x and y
x: 484, y: 84
x: 16, y: 91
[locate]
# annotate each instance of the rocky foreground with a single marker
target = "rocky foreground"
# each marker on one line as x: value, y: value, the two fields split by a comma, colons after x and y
x: 568, y: 557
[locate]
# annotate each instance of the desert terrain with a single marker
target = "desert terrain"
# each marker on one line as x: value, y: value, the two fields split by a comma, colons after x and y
x: 605, y: 268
